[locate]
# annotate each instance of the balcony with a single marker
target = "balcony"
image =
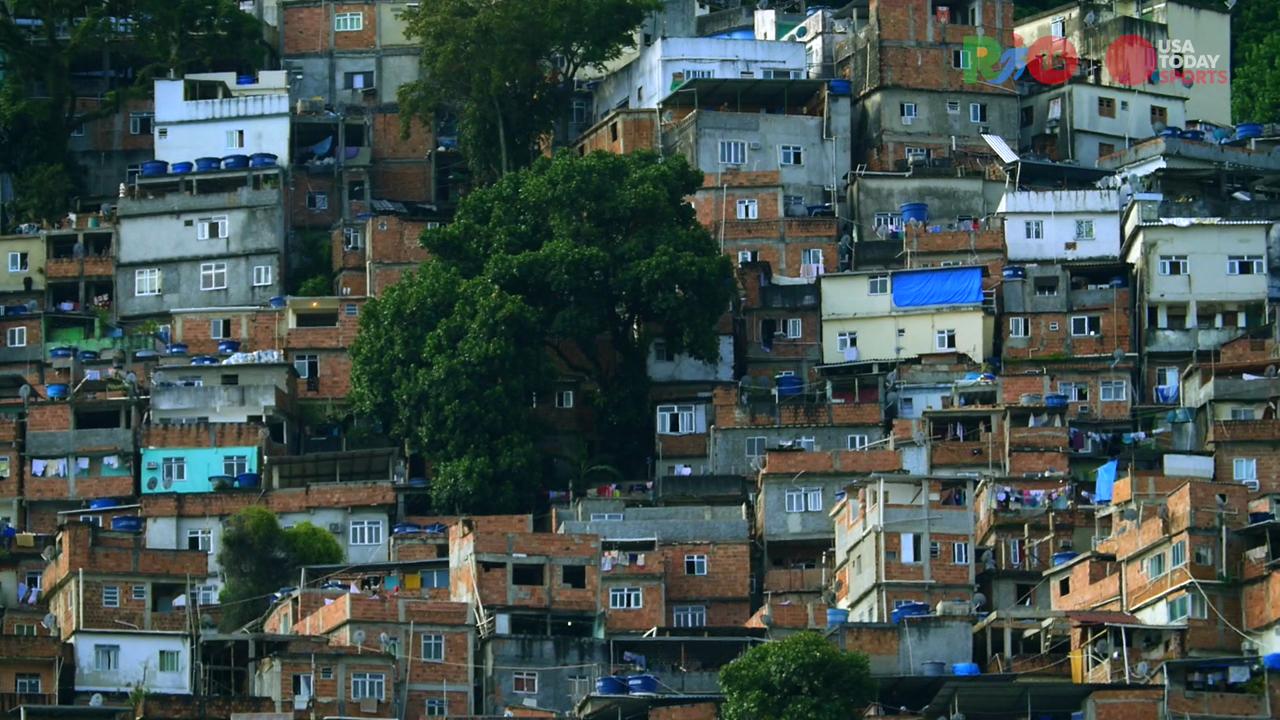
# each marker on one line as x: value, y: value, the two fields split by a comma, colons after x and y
x: 966, y: 453
x: 57, y: 443
x: 703, y: 488
x: 260, y: 399
x: 1182, y: 341
x: 877, y: 253
x: 11, y: 701
x: 781, y: 229
x: 29, y: 353
x: 1038, y: 438
x: 1244, y: 430
x: 71, y: 268
x: 789, y: 296
x: 795, y: 580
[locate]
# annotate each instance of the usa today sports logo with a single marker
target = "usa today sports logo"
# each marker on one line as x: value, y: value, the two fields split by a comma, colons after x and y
x: 1130, y: 60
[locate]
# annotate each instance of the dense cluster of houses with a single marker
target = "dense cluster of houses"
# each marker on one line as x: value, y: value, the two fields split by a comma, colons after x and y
x: 995, y: 404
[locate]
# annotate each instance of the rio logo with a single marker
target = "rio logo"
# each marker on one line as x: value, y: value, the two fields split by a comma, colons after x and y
x: 1130, y: 60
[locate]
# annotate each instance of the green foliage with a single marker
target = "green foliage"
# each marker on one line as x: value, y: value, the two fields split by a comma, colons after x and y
x: 42, y: 191
x: 259, y: 557
x: 1255, y: 61
x: 311, y: 270
x: 505, y: 68
x: 801, y: 678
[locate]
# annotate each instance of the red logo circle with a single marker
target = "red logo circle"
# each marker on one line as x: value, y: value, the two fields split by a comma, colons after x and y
x: 1131, y: 60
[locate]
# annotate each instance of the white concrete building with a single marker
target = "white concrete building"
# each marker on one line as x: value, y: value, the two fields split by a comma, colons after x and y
x: 1061, y: 225
x: 116, y: 661
x: 213, y: 115
x: 1083, y: 122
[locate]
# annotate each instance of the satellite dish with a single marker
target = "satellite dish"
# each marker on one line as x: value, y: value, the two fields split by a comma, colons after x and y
x: 24, y: 392
x: 801, y: 32
x: 384, y: 640
x: 168, y: 483
x: 96, y: 700
x: 358, y: 637
x: 1091, y: 19
x: 668, y: 116
x: 151, y: 483
x: 1143, y: 668
x: 207, y: 622
x: 49, y: 621
x: 47, y: 553
x: 1271, y: 371
x: 1158, y: 127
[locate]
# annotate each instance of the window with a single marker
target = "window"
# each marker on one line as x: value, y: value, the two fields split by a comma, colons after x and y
x: 26, y: 683
x: 220, y: 329
x: 944, y: 339
x: 170, y: 661
x: 747, y: 256
x: 1244, y: 265
x: 1027, y: 117
x: 1018, y: 327
x: 1173, y: 264
x: 961, y: 59
x: 25, y: 629
x: 366, y: 532
x: 1084, y: 230
x: 911, y: 152
x: 146, y: 281
x: 858, y: 441
x: 806, y: 443
x: 907, y: 111
x: 317, y: 201
x: 524, y: 682
x: 18, y: 262
x: 261, y: 275
x: 436, y: 707
x: 1159, y: 114
x: 348, y: 22
x: 367, y: 686
x: 890, y: 222
x: 675, y: 419
x: 1046, y: 287
x: 326, y: 673
x: 909, y: 548
x: 960, y: 553
x: 35, y: 580
x: 1114, y: 390
x: 756, y: 446
x: 977, y: 112
x: 795, y: 500
x: 878, y: 285
x: 695, y: 564
x: 1242, y: 413
x: 1105, y: 149
x: 606, y: 517
x: 235, y: 465
x: 1244, y: 469
x: 212, y: 227
x: 1187, y: 606
x: 733, y: 152
x: 935, y: 550
x: 432, y: 647
x: 1086, y: 325
x: 1058, y: 27
x: 794, y: 328
x: 1202, y: 555
x: 110, y: 596
x: 173, y: 469
x: 140, y: 123
x: 748, y: 209
x: 1034, y: 229
x: 16, y: 337
x: 1075, y: 391
x: 813, y: 499
x: 351, y: 309
x: 575, y: 576
x: 791, y: 155
x: 200, y: 539
x: 358, y: 80
x: 564, y: 399
x: 213, y: 276
x: 625, y: 598
x: 1178, y: 555
x: 689, y: 616
x: 1155, y: 566
x: 811, y: 256
x: 235, y: 139
x: 783, y: 74
x: 1015, y: 553
x: 953, y: 107
x: 307, y: 366
x: 1107, y: 107
x: 352, y: 238
x: 846, y: 341
x: 662, y: 353
x: 106, y: 657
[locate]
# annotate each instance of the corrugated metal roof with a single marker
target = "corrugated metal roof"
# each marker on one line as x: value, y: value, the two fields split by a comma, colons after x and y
x: 1001, y: 148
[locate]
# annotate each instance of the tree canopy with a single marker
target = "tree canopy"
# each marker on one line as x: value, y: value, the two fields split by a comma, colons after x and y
x: 505, y: 68
x: 803, y: 677
x: 259, y: 557
x: 584, y: 260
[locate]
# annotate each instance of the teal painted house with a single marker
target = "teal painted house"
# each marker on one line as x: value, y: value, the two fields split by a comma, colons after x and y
x: 196, y: 470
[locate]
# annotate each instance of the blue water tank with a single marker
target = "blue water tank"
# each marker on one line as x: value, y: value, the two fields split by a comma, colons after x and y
x: 1014, y: 272
x: 642, y: 683
x: 235, y: 162
x: 1055, y: 400
x: 789, y: 386
x: 88, y: 355
x: 259, y: 160
x: 181, y: 168
x: 101, y: 503
x: 915, y: 609
x: 1062, y: 558
x: 918, y: 212
x: 205, y: 164
x: 837, y: 617
x: 1271, y: 662
x: 965, y: 669
x: 177, y: 348
x: 841, y: 87
x: 1245, y: 131
x: 205, y: 360
x: 126, y: 523
x: 1197, y: 135
x: 245, y: 80
x: 62, y: 353
x: 58, y: 390
x: 146, y: 355
x: 611, y: 686
x: 1261, y: 517
x: 227, y: 347
x: 278, y: 301
x: 405, y: 528
x: 248, y: 480
x: 154, y: 168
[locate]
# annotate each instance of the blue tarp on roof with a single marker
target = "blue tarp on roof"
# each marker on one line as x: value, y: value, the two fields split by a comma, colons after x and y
x: 951, y: 286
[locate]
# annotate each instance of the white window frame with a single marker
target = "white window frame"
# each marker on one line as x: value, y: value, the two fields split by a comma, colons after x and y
x: 364, y: 684
x: 695, y: 562
x: 1085, y: 230
x: 960, y: 553
x: 1236, y: 262
x: 793, y: 500
x: 1244, y: 469
x: 793, y: 328
x: 733, y: 152
x: 978, y: 113
x: 106, y: 658
x: 235, y: 139
x: 146, y: 281
x: 953, y: 107
x: 1019, y: 327
x: 1178, y: 554
x: 317, y: 200
x: 213, y: 227
x: 908, y: 112
x: 761, y: 443
x: 626, y: 598
x: 813, y: 499
x: 135, y: 122
x: 564, y: 399
x: 220, y: 328
x: 174, y: 656
x: 302, y: 363
x: 209, y: 274
x: 878, y: 285
x: 235, y: 465
x: 1083, y: 330
x: 138, y: 592
x: 961, y: 59
x: 846, y: 340
x: 1243, y: 414
x: 1113, y: 391
x: 1072, y: 390
x: 685, y: 416
x: 365, y: 533
x: 1033, y: 229
x: 812, y: 256
x: 436, y: 707
x: 747, y: 209
x: 261, y: 275
x: 524, y: 682
x: 19, y: 262
x: 16, y: 336
x: 746, y: 256
x: 890, y: 220
x: 433, y: 647
x: 1155, y: 565
x: 352, y: 238
x: 26, y: 683
x: 203, y: 538
x: 941, y: 338
x: 689, y: 616
x: 1058, y: 27
x: 173, y: 469
x: 110, y: 596
x: 1168, y: 263
x: 790, y: 154
x: 348, y: 22
x: 857, y: 441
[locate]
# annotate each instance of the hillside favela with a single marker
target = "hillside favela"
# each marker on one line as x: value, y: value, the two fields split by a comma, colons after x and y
x: 639, y: 359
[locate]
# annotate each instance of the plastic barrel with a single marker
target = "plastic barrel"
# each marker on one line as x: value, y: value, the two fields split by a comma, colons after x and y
x: 205, y: 164
x: 1014, y: 272
x: 177, y: 348
x: 1170, y: 132
x: 837, y: 617
x: 965, y: 669
x: 100, y: 503
x: 918, y: 212
x: 62, y: 353
x: 248, y: 480
x: 611, y: 686
x: 642, y: 683
x: 1271, y: 662
x: 146, y: 355
x: 1197, y: 135
x: 405, y: 529
x: 58, y: 390
x: 1055, y: 400
x: 278, y: 301
x: 227, y: 347
x: 154, y: 168
x: 1260, y: 517
x: 258, y: 160
x: 933, y: 668
x: 1062, y: 558
x: 841, y: 87
x: 181, y: 168
x: 126, y: 523
x: 235, y: 162
x: 1245, y: 131
x: 205, y: 360
x: 88, y: 355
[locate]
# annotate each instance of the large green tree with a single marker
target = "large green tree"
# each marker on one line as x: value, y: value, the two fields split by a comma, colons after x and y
x: 803, y: 677
x: 591, y: 258
x: 259, y: 557
x: 55, y: 54
x: 505, y: 68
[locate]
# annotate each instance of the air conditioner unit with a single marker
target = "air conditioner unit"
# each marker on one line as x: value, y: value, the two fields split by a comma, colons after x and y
x: 1251, y: 484
x: 335, y: 528
x: 953, y: 607
x: 1084, y: 410
x: 755, y: 146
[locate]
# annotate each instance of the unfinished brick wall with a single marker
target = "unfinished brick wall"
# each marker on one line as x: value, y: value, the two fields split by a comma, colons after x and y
x: 728, y: 571
x: 622, y: 131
